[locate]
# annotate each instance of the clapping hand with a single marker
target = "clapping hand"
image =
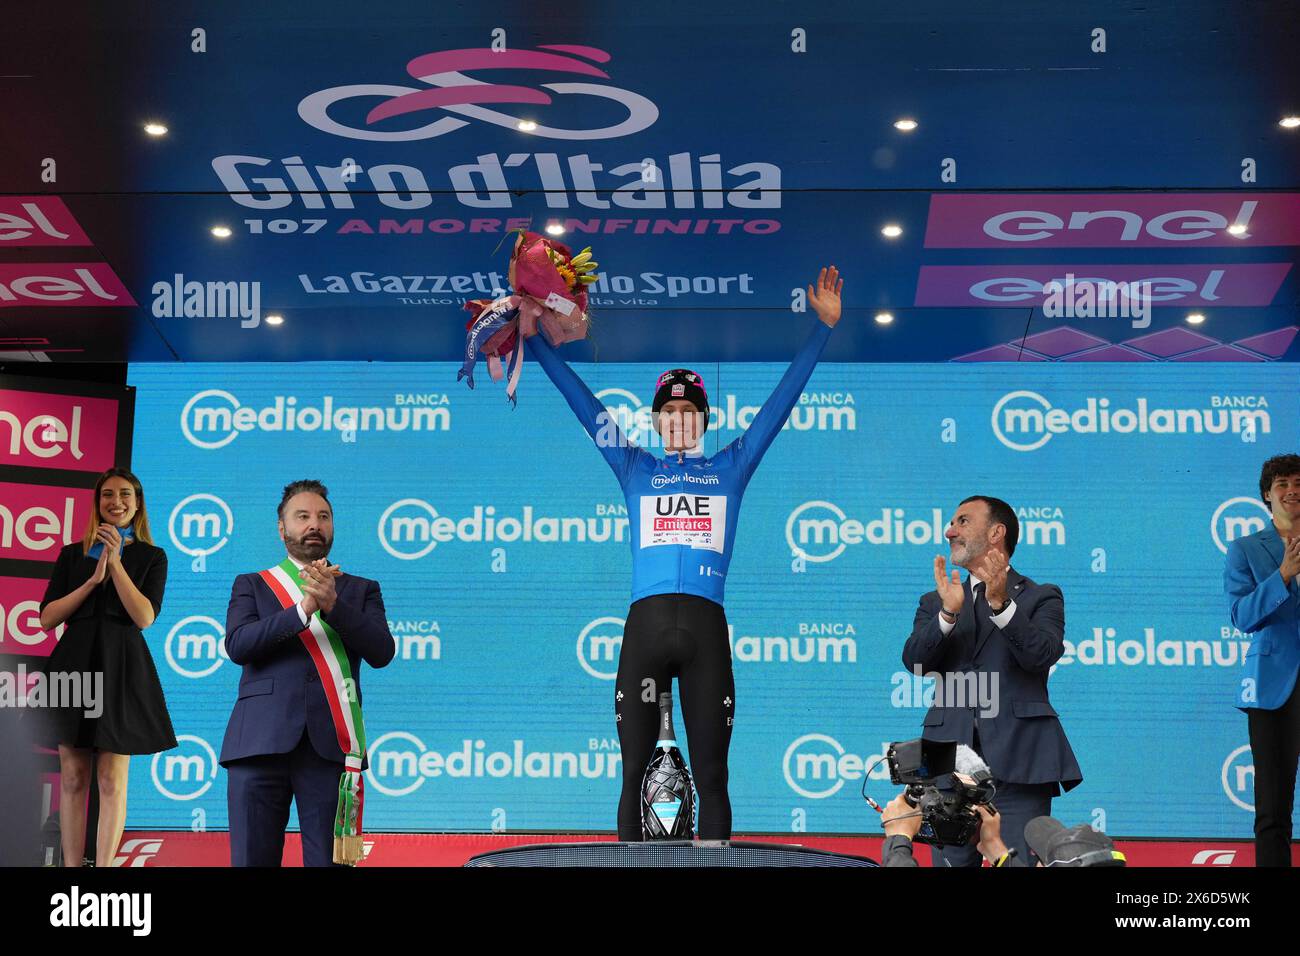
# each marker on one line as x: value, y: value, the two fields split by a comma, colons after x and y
x: 1291, y: 559
x: 318, y: 587
x: 101, y: 568
x: 950, y: 591
x: 991, y: 568
x: 109, y: 537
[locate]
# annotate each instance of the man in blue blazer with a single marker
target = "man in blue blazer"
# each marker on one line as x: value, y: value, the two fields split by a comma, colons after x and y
x: 281, y: 743
x: 1259, y: 579
x: 990, y: 641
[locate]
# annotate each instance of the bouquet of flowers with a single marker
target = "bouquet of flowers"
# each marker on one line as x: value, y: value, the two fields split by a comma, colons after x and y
x: 550, y: 295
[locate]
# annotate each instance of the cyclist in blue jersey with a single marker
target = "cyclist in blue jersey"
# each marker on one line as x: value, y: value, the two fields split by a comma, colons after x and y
x: 682, y: 512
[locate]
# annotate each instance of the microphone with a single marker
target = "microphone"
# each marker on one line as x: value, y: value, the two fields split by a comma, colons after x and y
x: 969, y: 762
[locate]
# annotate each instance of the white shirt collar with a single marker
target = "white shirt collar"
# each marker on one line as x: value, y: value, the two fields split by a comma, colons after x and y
x: 296, y: 563
x: 975, y: 581
x: 696, y: 452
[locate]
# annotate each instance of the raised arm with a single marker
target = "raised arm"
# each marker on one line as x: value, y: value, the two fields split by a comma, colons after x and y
x: 595, y: 418
x: 926, y: 649
x: 59, y: 602
x: 825, y: 300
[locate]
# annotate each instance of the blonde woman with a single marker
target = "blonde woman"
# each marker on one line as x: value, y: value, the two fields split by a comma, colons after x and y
x: 107, y: 588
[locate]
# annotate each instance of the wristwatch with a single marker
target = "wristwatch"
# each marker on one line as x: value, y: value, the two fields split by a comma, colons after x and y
x: 998, y: 610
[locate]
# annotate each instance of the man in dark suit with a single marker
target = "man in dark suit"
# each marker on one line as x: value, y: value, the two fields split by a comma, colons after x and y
x: 990, y: 641
x: 283, y: 741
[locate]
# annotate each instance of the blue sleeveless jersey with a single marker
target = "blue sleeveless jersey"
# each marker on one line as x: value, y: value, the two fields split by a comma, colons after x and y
x: 683, y: 515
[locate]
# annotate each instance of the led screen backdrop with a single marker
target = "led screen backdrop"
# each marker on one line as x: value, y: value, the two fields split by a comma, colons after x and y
x: 499, y: 537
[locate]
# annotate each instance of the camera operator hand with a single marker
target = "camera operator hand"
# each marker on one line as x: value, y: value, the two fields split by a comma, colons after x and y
x: 990, y: 844
x: 901, y: 818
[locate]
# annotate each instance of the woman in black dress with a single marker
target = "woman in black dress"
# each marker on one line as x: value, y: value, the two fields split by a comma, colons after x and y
x: 107, y: 587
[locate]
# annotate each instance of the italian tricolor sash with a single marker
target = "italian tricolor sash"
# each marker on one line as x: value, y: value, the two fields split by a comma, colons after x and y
x: 326, y: 649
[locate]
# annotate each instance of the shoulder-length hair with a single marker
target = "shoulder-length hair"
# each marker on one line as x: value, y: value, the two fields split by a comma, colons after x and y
x: 139, y: 524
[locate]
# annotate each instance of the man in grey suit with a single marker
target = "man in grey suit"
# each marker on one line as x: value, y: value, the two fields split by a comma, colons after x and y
x: 990, y: 641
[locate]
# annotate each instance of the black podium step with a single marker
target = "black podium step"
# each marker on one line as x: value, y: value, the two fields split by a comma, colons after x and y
x: 671, y: 853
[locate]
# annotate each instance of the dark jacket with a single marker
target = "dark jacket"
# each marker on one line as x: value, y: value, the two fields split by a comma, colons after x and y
x: 1024, y: 741
x: 279, y: 691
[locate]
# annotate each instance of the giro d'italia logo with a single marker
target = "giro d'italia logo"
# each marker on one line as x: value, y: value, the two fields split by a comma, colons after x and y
x: 356, y: 111
x: 187, y: 772
x: 598, y: 646
x: 1238, y: 778
x: 200, y: 525
x: 1237, y: 518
